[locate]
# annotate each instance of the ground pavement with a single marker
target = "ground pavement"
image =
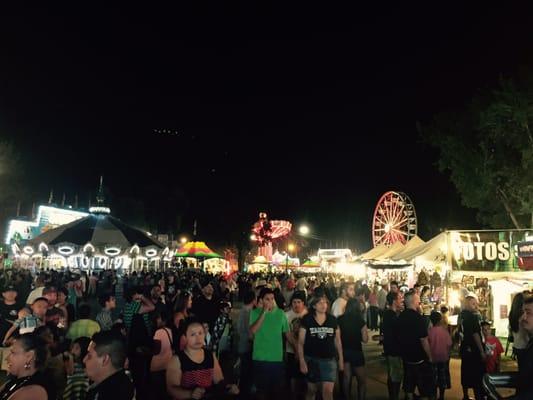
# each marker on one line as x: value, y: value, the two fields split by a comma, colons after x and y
x: 377, y: 375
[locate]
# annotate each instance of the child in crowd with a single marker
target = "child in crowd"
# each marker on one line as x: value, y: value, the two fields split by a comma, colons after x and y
x: 77, y: 380
x: 28, y: 321
x: 440, y: 344
x: 493, y: 348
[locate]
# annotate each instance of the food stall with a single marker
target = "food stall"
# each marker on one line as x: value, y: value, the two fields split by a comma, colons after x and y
x: 493, y: 264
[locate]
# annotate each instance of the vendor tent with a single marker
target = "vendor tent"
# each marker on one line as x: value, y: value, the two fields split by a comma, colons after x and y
x: 407, y: 248
x: 196, y: 250
x: 433, y: 250
x: 394, y: 249
x: 375, y: 252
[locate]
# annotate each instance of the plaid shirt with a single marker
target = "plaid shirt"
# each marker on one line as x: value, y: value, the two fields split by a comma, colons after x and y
x: 28, y: 324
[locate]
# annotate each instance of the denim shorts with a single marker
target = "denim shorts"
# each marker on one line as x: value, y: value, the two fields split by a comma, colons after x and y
x: 321, y: 369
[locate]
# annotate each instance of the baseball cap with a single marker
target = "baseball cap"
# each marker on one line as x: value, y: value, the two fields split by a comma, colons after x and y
x: 9, y: 288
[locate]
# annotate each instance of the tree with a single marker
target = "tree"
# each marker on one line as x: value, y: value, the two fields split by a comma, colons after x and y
x: 488, y: 150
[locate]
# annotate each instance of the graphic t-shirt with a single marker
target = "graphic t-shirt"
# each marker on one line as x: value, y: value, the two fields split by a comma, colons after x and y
x: 494, y: 349
x: 319, y: 339
x: 8, y: 315
x: 268, y: 340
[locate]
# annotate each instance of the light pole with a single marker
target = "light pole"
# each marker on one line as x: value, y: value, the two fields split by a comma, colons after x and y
x: 290, y: 248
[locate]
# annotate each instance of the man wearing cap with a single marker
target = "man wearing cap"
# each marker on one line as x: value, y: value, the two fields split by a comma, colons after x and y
x: 8, y: 313
x: 472, y: 348
x: 205, y: 306
x: 8, y: 309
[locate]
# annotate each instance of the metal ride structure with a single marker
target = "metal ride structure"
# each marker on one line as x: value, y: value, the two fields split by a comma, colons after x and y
x: 394, y: 219
x: 266, y: 231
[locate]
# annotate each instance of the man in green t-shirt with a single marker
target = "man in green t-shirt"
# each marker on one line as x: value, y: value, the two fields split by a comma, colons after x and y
x: 268, y: 326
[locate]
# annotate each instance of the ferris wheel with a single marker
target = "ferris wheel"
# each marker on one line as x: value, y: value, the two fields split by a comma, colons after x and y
x: 394, y: 219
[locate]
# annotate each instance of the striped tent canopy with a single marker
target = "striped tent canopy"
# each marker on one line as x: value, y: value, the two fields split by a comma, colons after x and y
x: 196, y: 250
x: 100, y: 231
x: 311, y: 264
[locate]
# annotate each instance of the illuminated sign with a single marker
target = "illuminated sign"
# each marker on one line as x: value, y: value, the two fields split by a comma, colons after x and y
x: 47, y: 218
x: 495, y: 251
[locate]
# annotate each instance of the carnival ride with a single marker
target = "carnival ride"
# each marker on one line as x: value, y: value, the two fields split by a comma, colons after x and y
x: 266, y: 232
x: 394, y: 219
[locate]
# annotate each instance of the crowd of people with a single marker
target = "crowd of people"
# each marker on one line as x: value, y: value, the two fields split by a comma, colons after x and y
x: 175, y: 335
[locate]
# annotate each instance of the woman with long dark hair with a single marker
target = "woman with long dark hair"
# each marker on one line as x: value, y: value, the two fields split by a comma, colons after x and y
x: 26, y: 360
x: 353, y: 332
x: 520, y: 336
x: 181, y: 312
x: 319, y: 343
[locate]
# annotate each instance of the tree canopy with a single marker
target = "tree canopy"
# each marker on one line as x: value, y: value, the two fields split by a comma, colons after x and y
x: 487, y: 148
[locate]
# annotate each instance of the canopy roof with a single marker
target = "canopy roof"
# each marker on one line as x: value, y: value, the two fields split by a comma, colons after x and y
x: 407, y: 248
x: 310, y: 264
x: 196, y: 250
x: 100, y: 231
x: 375, y: 252
x: 431, y: 250
x: 394, y: 249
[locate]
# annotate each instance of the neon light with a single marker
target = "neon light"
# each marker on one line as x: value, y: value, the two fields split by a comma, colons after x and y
x: 88, y: 247
x: 135, y: 249
x: 100, y: 210
x: 15, y: 248
x: 43, y: 247
x: 65, y: 250
x: 112, y: 251
x: 28, y: 250
x: 151, y: 252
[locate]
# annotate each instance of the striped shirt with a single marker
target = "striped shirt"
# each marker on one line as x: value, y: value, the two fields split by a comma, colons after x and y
x: 105, y: 319
x: 77, y: 384
x: 130, y: 309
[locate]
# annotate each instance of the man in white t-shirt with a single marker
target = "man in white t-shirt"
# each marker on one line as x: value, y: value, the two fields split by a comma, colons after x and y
x: 297, y: 311
x: 339, y: 305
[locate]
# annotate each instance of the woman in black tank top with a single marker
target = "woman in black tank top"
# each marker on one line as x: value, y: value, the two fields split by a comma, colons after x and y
x: 195, y: 371
x: 26, y: 358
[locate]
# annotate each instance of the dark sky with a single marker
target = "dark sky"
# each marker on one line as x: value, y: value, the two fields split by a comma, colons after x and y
x: 308, y: 114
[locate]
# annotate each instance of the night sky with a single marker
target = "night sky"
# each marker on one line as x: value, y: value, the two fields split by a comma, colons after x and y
x: 215, y: 115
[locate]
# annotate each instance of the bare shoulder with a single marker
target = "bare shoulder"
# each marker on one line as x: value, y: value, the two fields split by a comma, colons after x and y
x: 30, y: 392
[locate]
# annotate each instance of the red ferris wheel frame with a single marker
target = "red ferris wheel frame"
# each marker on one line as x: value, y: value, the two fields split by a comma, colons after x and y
x: 394, y: 219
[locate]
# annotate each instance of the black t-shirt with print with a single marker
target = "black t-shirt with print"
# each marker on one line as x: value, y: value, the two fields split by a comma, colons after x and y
x: 319, y: 339
x: 411, y: 328
x: 8, y: 315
